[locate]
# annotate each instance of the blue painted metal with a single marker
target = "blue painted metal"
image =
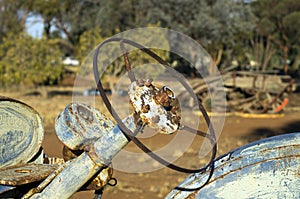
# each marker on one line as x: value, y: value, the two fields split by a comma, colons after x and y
x: 269, y: 168
x: 5, y: 188
x: 21, y: 132
x: 78, y: 126
x: 111, y: 143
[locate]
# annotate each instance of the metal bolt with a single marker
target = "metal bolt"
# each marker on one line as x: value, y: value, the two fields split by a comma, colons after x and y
x: 148, y: 82
x: 140, y: 82
x: 145, y: 108
x: 85, y: 113
x: 169, y: 92
x: 155, y: 119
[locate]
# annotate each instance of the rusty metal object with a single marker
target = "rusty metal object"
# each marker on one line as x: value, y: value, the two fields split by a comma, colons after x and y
x: 53, y: 160
x: 97, y: 182
x: 21, y: 132
x: 25, y: 174
x: 101, y: 180
x: 265, y: 94
x: 244, y: 90
x: 268, y: 168
x: 97, y: 155
x: 157, y: 107
x: 279, y: 95
x: 79, y: 124
x: 67, y: 180
x: 88, y: 170
x: 102, y: 150
x: 69, y: 154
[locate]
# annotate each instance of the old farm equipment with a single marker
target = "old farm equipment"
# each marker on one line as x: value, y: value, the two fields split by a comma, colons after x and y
x: 264, y: 169
x: 91, y: 140
x: 248, y: 92
x: 268, y: 168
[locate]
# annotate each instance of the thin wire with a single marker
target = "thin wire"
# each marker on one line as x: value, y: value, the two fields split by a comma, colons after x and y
x: 186, y: 128
x: 129, y: 134
x: 127, y: 63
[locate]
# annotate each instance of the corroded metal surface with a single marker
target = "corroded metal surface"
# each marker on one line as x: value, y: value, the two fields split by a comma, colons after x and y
x: 21, y: 132
x: 69, y: 154
x: 19, y: 175
x: 157, y: 107
x: 79, y: 124
x: 107, y: 146
x: 269, y: 168
x: 70, y: 179
x: 100, y: 180
x: 53, y: 160
x: 100, y: 144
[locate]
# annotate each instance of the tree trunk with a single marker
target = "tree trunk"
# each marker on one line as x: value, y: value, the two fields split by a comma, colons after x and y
x: 296, y: 63
x: 219, y: 57
x: 285, y: 57
x: 269, y: 51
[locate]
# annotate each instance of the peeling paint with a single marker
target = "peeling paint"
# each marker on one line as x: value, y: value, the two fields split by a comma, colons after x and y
x: 157, y: 107
x: 268, y: 168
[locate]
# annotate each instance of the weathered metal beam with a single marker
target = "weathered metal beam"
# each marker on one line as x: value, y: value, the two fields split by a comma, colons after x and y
x: 98, y: 152
x: 70, y: 179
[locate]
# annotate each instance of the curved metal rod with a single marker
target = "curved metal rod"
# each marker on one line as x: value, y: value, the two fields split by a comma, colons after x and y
x: 129, y: 134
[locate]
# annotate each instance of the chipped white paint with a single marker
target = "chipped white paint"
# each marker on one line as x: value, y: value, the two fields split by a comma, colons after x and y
x: 70, y: 179
x: 79, y: 124
x: 21, y: 132
x: 156, y: 116
x: 268, y: 168
x: 108, y: 145
x: 99, y: 153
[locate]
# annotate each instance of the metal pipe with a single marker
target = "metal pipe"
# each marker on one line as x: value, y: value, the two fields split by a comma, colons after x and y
x: 97, y: 156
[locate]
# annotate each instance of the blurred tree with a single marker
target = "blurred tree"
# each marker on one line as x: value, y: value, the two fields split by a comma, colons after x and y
x: 237, y: 24
x: 28, y: 61
x: 88, y: 41
x: 279, y: 22
x: 219, y: 26
x: 260, y: 52
x: 111, y: 62
x: 70, y: 18
x: 47, y: 10
x: 227, y: 29
x: 13, y: 15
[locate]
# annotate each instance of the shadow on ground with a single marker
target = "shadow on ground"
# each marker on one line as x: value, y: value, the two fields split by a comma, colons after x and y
x: 265, y: 132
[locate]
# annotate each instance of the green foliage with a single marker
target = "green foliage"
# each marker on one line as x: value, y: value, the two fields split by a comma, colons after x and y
x: 291, y: 24
x: 28, y: 61
x: 264, y: 31
x: 111, y: 60
x: 279, y: 22
x: 278, y: 18
x: 217, y: 25
x: 12, y: 16
x: 71, y: 18
x: 88, y: 41
x: 160, y: 45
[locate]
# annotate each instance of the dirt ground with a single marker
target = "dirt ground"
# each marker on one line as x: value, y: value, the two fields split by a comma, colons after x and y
x: 237, y: 131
